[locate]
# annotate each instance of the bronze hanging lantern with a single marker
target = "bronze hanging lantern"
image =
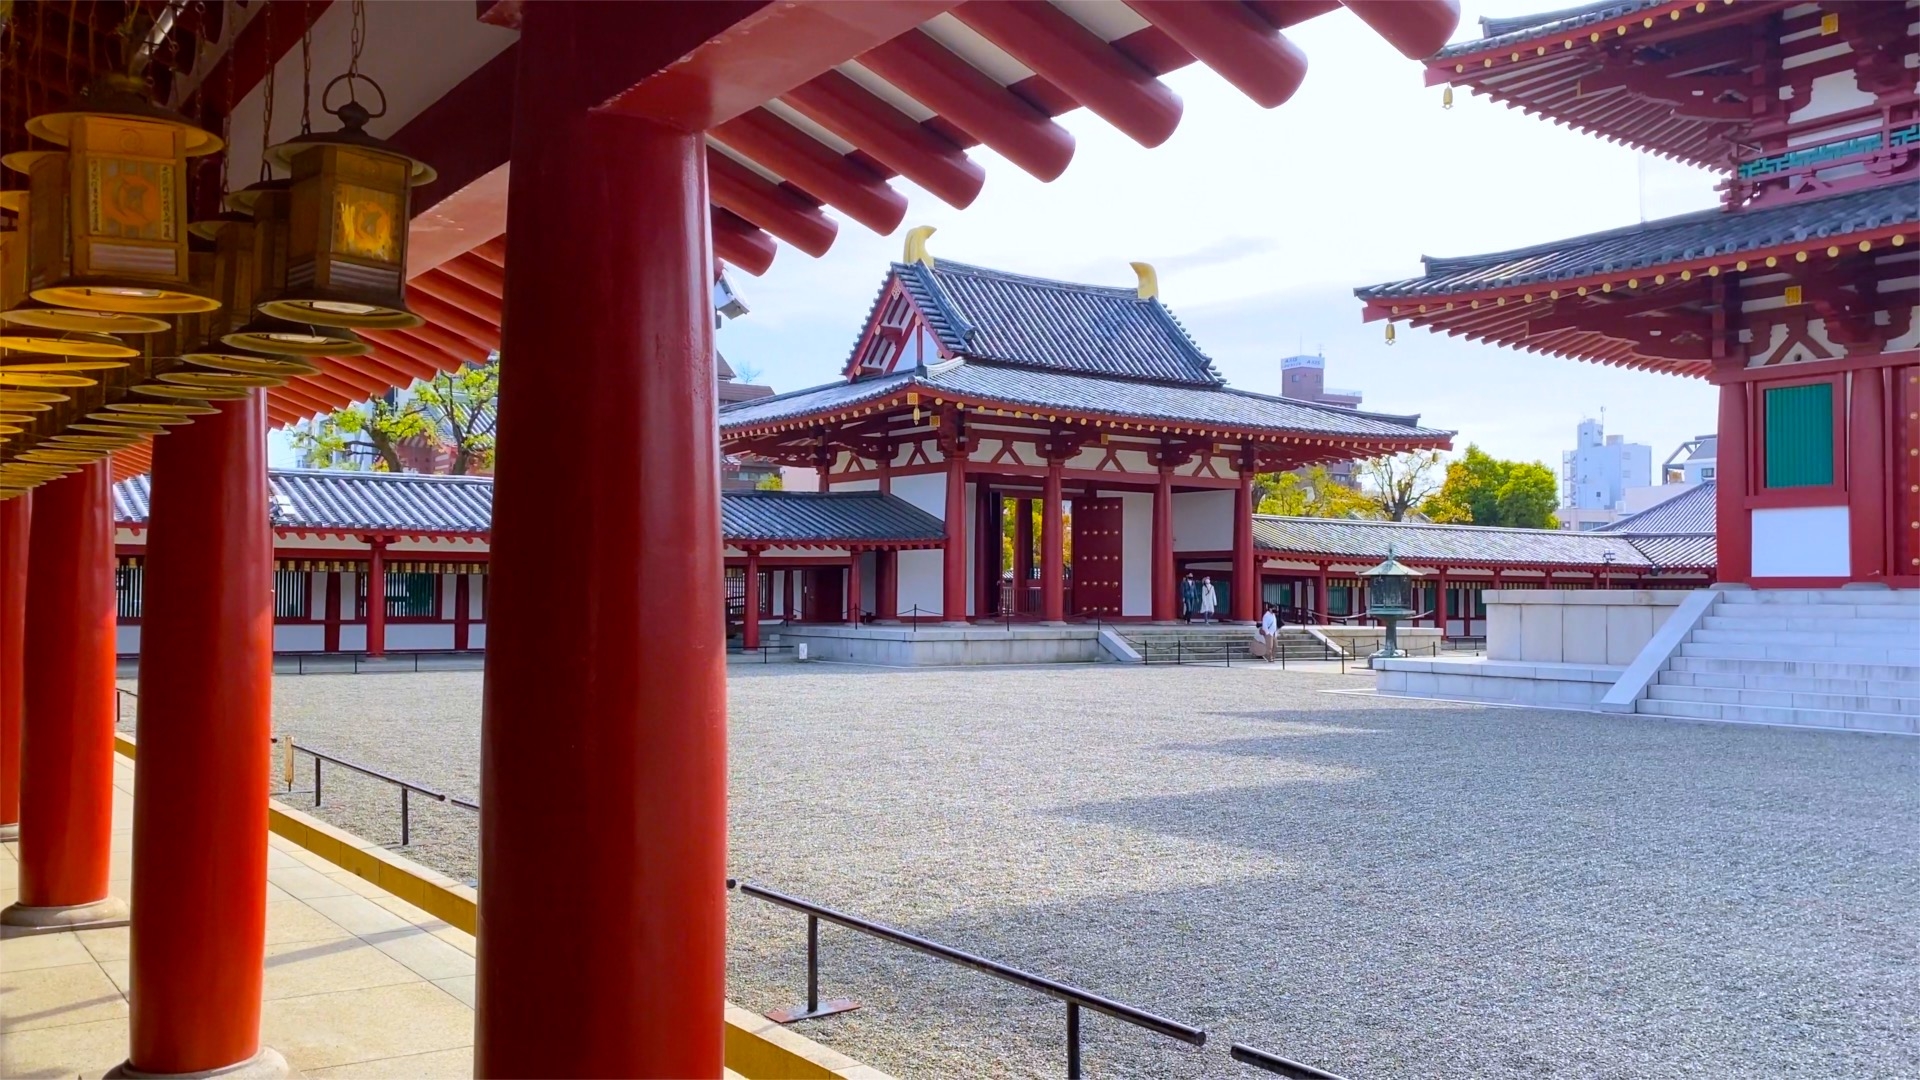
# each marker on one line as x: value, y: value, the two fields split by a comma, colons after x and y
x: 233, y: 284
x: 270, y: 203
x: 125, y: 203
x: 13, y: 249
x: 347, y: 249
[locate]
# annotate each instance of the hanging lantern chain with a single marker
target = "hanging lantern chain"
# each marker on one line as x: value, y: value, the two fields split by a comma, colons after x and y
x: 73, y: 19
x: 266, y: 107
x: 306, y: 81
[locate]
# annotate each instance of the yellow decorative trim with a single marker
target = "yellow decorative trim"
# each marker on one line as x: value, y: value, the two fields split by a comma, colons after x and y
x: 1149, y: 281
x: 917, y: 246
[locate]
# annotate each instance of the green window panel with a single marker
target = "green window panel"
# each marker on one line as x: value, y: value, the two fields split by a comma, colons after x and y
x: 1799, y: 446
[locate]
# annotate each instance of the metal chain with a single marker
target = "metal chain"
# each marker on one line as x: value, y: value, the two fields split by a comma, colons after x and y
x: 306, y: 81
x: 357, y: 36
x: 266, y: 102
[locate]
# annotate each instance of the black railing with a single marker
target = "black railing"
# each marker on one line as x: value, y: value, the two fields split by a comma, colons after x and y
x: 407, y: 787
x: 1274, y: 1063
x: 337, y: 663
x: 1075, y: 998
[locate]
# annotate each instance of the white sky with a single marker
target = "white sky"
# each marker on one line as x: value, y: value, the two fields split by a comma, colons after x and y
x: 1261, y: 223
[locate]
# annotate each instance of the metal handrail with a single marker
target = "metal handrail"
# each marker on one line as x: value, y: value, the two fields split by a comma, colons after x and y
x: 1075, y: 997
x: 407, y: 787
x: 1274, y: 1063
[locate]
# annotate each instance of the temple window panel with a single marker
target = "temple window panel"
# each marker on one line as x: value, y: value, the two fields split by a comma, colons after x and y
x: 129, y: 583
x: 291, y: 594
x: 1799, y: 445
x: 409, y: 595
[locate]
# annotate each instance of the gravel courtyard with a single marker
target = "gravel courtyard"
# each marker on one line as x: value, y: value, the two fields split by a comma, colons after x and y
x: 1377, y: 887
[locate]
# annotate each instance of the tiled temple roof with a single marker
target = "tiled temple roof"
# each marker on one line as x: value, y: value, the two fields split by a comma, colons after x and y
x: 1677, y: 532
x: 1056, y: 325
x: 328, y: 500
x: 1701, y: 235
x: 1511, y: 30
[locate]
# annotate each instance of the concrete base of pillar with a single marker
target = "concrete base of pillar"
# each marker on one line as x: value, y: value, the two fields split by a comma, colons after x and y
x: 19, y: 919
x: 9, y: 832
x: 265, y: 1065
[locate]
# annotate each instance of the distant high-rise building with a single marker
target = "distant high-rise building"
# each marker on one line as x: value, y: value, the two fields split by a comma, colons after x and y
x: 1595, y: 476
x: 1305, y: 378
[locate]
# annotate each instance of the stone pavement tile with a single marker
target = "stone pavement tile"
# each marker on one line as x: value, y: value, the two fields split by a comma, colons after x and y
x: 304, y: 882
x: 424, y: 954
x: 42, y: 951
x: 121, y: 972
x: 302, y: 857
x: 7, y: 855
x: 356, y: 884
x: 55, y: 997
x: 120, y: 863
x: 72, y: 1050
x: 440, y: 1065
x: 321, y: 1030
x: 275, y: 893
x: 296, y: 920
x: 280, y: 857
x: 462, y: 988
x: 433, y: 924
x: 357, y: 914
x: 321, y: 967
x: 110, y: 943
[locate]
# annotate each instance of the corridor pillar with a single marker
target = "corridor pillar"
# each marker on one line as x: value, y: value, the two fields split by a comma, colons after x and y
x: 953, y: 592
x: 1022, y: 552
x: 1053, y: 542
x: 377, y: 598
x: 886, y: 583
x: 1733, y: 522
x: 206, y: 710
x: 15, y: 517
x: 1245, y: 603
x: 853, y: 588
x: 68, y: 713
x: 1165, y: 610
x: 603, y: 760
x: 1868, y: 486
x: 750, y: 607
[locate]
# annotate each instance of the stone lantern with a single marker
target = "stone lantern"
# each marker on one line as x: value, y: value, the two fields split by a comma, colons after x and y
x: 1390, y: 599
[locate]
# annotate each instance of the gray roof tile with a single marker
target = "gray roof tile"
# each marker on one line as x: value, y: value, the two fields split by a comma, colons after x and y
x: 1691, y: 511
x: 1705, y: 234
x: 819, y: 516
x: 1497, y: 32
x: 1424, y: 545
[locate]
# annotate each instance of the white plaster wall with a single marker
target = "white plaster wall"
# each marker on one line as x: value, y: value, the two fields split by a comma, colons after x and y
x: 317, y: 595
x: 126, y: 640
x: 297, y: 638
x: 920, y: 581
x: 477, y: 635
x: 867, y: 565
x: 349, y: 583
x: 476, y: 596
x: 353, y: 638
x: 1801, y: 541
x: 410, y: 636
x: 1136, y: 553
x: 1202, y: 521
x: 449, y: 592
x: 1835, y: 93
x: 928, y: 491
x: 777, y: 581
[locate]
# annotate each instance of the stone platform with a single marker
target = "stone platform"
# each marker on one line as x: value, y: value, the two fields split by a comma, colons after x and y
x: 948, y: 646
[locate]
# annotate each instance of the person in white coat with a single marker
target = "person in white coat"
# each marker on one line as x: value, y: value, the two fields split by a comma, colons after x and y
x: 1269, y: 632
x: 1209, y: 600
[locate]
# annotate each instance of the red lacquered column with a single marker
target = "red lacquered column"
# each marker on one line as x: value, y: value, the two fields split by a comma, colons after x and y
x: 603, y: 731
x: 1164, y: 608
x: 15, y: 516
x: 206, y: 703
x: 750, y: 610
x: 853, y: 588
x: 1732, y: 481
x: 1053, y: 547
x: 67, y: 718
x: 377, y: 598
x: 1867, y: 486
x: 1245, y: 601
x: 953, y: 591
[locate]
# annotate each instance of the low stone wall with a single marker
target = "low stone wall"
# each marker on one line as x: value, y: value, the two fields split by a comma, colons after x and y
x: 1361, y: 642
x: 1585, y: 626
x: 1475, y: 678
x: 948, y: 646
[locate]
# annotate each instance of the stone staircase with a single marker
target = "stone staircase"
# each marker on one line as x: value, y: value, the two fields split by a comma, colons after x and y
x: 1825, y: 658
x: 1216, y: 644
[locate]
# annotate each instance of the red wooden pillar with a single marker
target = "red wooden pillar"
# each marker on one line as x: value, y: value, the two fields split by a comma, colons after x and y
x: 206, y: 705
x: 377, y: 598
x: 1022, y: 552
x: 1732, y: 480
x: 853, y: 588
x: 953, y: 593
x: 1867, y: 475
x: 786, y: 597
x: 886, y: 586
x: 1320, y: 594
x: 1053, y: 547
x: 461, y: 603
x: 1245, y: 603
x: 986, y: 556
x: 331, y: 639
x: 750, y: 610
x: 16, y: 515
x: 1440, y: 602
x: 1165, y: 608
x: 604, y: 721
x: 67, y: 718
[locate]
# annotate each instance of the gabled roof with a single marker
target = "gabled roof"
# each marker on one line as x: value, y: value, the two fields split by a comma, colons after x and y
x: 1450, y: 545
x: 1702, y: 235
x: 1063, y: 326
x: 996, y: 385
x: 331, y: 500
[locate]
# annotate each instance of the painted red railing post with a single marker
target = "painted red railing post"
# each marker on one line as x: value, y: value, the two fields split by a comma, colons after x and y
x: 206, y: 704
x: 68, y: 707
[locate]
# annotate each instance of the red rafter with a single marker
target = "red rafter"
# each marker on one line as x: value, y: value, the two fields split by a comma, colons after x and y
x: 854, y: 113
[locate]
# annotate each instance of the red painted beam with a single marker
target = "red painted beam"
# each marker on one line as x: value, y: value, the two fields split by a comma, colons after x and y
x: 763, y: 55
x: 476, y: 272
x: 303, y: 401
x: 451, y: 290
x: 740, y: 243
x: 1418, y: 28
x: 768, y: 205
x: 1228, y: 37
x: 1281, y: 14
x: 1073, y: 58
x: 429, y: 361
x: 454, y: 318
x: 984, y: 109
x: 857, y: 115
x: 399, y: 361
x: 494, y: 251
x: 340, y: 371
x: 841, y: 183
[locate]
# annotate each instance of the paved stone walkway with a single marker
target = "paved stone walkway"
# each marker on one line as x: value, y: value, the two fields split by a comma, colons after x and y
x: 1384, y: 888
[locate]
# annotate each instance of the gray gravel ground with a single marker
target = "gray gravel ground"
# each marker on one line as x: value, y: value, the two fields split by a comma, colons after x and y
x: 1382, y: 888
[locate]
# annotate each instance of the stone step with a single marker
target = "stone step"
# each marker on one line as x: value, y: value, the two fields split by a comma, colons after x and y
x: 1908, y: 597
x: 1795, y: 623
x: 1780, y: 699
x: 1816, y: 611
x: 1839, y: 654
x: 1757, y: 714
x: 1803, y: 637
x: 1880, y: 688
x: 1894, y: 673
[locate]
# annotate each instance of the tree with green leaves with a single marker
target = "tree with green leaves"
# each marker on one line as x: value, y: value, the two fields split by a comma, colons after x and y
x: 1309, y: 492
x: 1396, y: 484
x: 1481, y: 489
x: 455, y: 411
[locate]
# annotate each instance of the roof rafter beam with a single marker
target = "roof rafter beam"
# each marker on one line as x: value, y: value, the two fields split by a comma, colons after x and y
x: 858, y: 115
x: 1228, y: 37
x: 844, y: 184
x: 1002, y: 120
